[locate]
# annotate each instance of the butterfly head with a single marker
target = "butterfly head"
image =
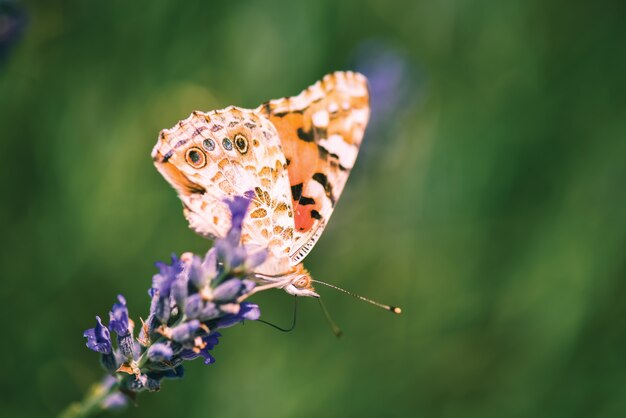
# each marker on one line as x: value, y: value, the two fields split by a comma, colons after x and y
x: 296, y: 282
x: 301, y: 284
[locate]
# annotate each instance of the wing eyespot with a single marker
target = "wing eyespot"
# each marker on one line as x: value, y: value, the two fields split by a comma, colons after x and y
x: 227, y: 144
x: 208, y: 144
x: 241, y: 143
x: 195, y: 157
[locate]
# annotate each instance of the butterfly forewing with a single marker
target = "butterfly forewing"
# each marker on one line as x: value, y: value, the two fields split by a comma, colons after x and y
x: 320, y: 130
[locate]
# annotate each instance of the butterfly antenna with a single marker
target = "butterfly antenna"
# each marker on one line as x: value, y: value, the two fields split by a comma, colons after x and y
x: 389, y: 308
x: 333, y: 326
x: 293, y: 324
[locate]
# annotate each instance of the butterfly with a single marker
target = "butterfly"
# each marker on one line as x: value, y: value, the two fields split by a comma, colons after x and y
x: 295, y: 154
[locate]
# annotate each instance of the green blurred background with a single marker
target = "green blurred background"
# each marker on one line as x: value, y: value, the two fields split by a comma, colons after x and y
x: 488, y: 202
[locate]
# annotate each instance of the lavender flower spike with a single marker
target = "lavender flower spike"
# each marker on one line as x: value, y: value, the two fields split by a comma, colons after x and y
x: 191, y: 298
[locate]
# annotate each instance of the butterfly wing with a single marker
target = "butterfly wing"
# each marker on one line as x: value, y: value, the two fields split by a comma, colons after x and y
x: 209, y: 157
x: 320, y: 130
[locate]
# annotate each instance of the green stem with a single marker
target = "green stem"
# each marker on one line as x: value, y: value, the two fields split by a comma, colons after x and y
x: 91, y: 404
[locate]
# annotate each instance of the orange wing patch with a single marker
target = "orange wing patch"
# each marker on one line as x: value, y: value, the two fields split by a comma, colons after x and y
x: 320, y: 131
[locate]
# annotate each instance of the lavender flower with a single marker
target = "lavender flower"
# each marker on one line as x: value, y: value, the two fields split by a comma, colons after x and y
x: 118, y: 317
x: 161, y: 287
x: 13, y: 22
x: 191, y: 298
x: 119, y: 323
x: 208, y: 342
x: 229, y: 250
x: 160, y: 352
x: 396, y: 84
x: 98, y: 338
x: 393, y: 81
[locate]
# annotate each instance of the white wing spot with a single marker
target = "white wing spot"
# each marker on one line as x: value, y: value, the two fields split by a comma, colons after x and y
x: 336, y: 145
x: 320, y: 118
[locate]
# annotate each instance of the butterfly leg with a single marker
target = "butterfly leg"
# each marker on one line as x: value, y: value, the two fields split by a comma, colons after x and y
x: 257, y: 289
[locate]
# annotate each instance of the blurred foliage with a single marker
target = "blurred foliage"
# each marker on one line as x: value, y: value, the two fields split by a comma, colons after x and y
x: 489, y: 204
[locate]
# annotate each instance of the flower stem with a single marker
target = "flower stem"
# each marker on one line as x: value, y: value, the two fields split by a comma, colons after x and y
x: 92, y: 403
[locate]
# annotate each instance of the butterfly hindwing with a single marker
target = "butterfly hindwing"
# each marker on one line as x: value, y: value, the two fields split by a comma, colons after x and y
x: 320, y: 130
x: 209, y: 157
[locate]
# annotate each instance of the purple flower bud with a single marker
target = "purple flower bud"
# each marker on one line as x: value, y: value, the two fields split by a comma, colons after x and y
x: 162, y: 282
x: 249, y: 311
x: 160, y: 352
x: 161, y: 288
x: 208, y: 358
x: 185, y: 331
x: 126, y: 345
x: 248, y: 285
x: 202, y: 271
x: 209, y: 264
x: 197, y: 308
x: 209, y: 342
x: 228, y: 290
x: 238, y: 207
x: 162, y: 309
x: 233, y: 256
x: 228, y: 248
x: 118, y: 317
x: 179, y: 289
x: 99, y: 338
x: 256, y: 258
x: 193, y: 306
x: 209, y: 311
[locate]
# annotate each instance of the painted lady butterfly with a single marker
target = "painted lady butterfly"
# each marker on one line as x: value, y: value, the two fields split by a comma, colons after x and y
x: 294, y: 153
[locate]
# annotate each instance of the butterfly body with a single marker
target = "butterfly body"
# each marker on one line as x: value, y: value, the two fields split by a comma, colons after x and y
x: 291, y: 156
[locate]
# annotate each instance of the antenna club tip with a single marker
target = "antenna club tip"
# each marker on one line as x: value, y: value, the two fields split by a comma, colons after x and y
x: 396, y: 310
